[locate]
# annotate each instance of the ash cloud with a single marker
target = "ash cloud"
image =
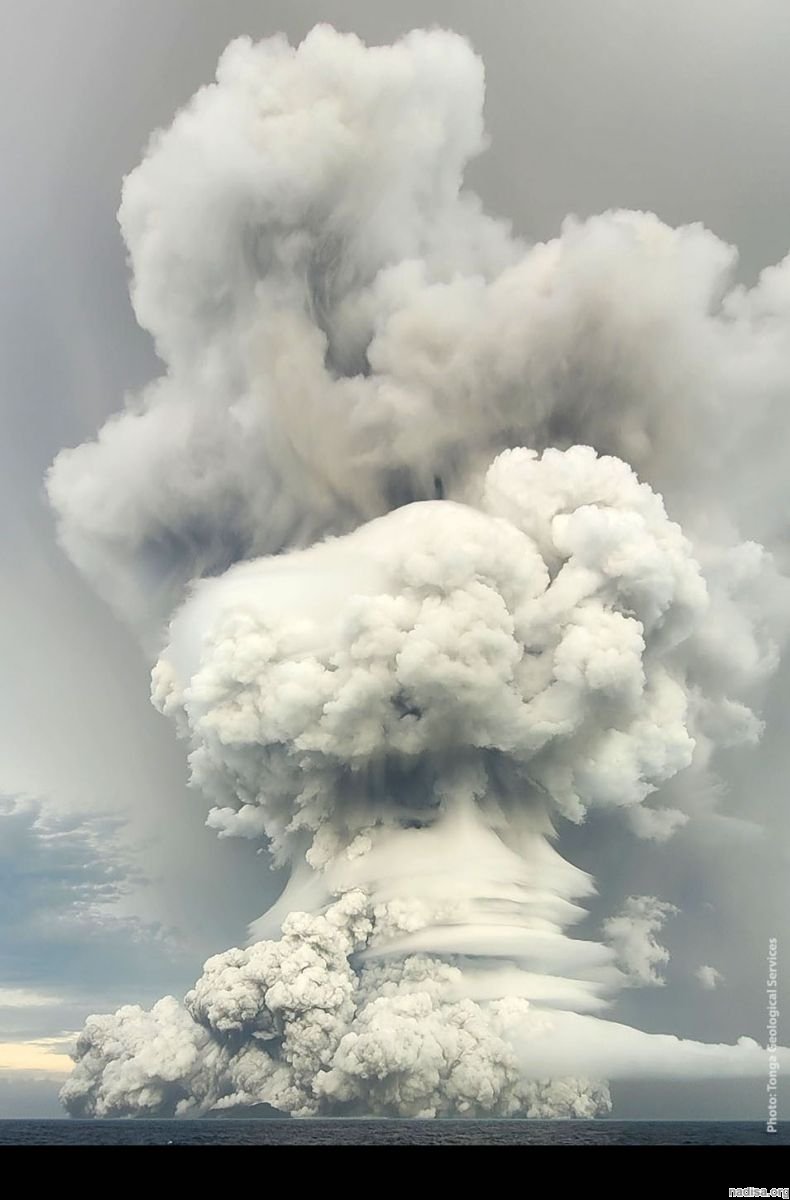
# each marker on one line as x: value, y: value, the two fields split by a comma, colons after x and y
x: 632, y: 935
x: 437, y: 540
x: 708, y: 977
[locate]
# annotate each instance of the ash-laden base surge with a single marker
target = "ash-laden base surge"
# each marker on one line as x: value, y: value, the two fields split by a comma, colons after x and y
x: 299, y: 1025
x: 294, y: 1025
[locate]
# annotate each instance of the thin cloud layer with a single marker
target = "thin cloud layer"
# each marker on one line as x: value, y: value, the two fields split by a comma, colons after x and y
x: 63, y: 879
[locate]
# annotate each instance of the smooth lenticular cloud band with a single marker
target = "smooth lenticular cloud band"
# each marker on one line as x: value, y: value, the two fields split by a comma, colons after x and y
x: 400, y: 525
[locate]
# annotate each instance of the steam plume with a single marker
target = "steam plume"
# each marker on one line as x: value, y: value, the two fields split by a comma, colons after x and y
x: 399, y: 524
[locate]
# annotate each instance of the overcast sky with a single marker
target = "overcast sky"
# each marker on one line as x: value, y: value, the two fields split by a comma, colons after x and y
x: 112, y: 890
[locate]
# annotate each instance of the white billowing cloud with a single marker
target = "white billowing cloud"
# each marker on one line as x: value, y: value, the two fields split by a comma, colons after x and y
x: 709, y: 978
x: 559, y: 635
x: 256, y: 227
x: 405, y: 503
x: 631, y: 933
x: 345, y: 329
x: 291, y: 1024
x: 294, y: 1025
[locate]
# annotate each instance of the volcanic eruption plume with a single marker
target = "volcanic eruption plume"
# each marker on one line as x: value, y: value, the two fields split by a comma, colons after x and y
x: 399, y: 527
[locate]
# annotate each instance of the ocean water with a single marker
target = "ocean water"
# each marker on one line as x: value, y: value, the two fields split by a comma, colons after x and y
x: 344, y: 1132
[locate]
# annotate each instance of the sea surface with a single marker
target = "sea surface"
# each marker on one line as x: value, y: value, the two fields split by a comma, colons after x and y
x: 345, y: 1132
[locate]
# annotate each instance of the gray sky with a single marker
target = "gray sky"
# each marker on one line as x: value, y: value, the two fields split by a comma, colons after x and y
x: 592, y: 104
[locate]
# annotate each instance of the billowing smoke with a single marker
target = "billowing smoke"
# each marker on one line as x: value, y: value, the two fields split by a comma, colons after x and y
x: 632, y: 932
x: 399, y: 524
x: 708, y: 977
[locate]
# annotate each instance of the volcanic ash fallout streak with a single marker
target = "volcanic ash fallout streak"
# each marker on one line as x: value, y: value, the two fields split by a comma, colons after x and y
x: 399, y: 525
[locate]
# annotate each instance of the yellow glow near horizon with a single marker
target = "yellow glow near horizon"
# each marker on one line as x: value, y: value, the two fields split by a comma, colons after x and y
x: 34, y: 1056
